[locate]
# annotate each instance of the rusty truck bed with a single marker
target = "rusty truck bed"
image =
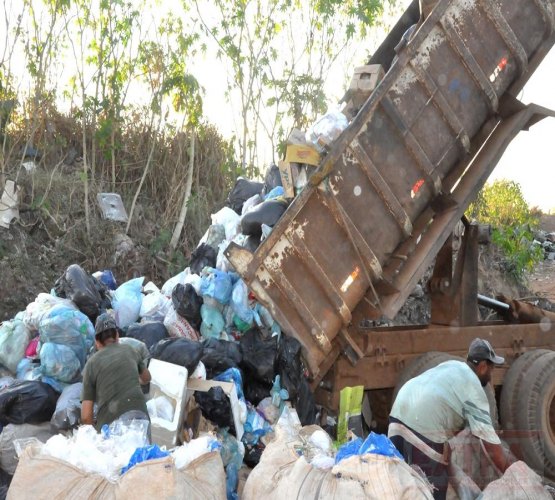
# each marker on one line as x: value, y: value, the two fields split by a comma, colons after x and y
x: 354, y: 244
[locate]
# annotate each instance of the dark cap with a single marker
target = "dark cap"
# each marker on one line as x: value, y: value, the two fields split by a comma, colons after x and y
x: 481, y: 350
x: 104, y: 322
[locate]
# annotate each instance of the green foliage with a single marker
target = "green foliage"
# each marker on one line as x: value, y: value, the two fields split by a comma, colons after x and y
x: 502, y: 205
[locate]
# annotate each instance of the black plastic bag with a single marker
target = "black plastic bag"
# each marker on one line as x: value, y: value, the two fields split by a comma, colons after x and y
x: 272, y: 179
x: 259, y: 356
x: 204, y: 255
x: 149, y: 333
x: 27, y: 402
x: 179, y: 351
x: 268, y: 212
x: 216, y: 407
x: 187, y: 304
x: 219, y: 355
x: 291, y: 371
x: 68, y: 408
x: 252, y: 243
x: 241, y: 192
x: 255, y: 391
x: 75, y: 284
x: 253, y: 454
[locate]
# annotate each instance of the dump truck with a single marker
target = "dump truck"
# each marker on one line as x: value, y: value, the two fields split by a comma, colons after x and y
x: 381, y: 209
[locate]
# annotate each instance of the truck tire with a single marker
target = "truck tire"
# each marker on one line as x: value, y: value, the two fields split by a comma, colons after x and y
x: 426, y: 361
x: 510, y: 399
x: 535, y: 415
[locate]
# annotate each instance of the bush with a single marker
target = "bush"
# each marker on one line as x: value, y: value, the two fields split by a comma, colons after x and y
x: 503, y: 206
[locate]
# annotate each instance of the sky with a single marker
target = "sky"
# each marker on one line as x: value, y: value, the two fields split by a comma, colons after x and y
x: 530, y: 158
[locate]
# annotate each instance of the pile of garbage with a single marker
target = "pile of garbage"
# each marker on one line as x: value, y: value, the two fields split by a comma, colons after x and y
x: 546, y: 241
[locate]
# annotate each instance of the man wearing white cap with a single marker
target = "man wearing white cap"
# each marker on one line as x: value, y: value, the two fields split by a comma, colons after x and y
x: 433, y: 407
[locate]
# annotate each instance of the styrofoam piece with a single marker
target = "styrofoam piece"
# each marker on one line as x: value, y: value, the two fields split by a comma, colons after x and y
x: 112, y: 206
x: 168, y: 380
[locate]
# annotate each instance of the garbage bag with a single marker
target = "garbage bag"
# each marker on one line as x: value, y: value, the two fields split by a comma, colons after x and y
x: 169, y: 285
x: 255, y: 391
x: 291, y: 371
x: 241, y: 192
x: 32, y: 348
x: 59, y: 362
x: 232, y: 375
x: 143, y: 454
x: 154, y: 305
x: 252, y: 242
x: 67, y: 414
x: 36, y: 311
x: 229, y: 219
x: 240, y: 302
x: 216, y: 407
x: 81, y: 288
x: 219, y: 355
x: 70, y: 328
x: 232, y: 452
x: 8, y: 455
x: 107, y: 278
x: 268, y: 212
x: 259, y: 356
x: 14, y: 339
x: 187, y: 304
x: 203, y: 256
x: 149, y: 333
x: 272, y: 179
x: 127, y: 302
x: 213, y: 322
x: 275, y: 193
x: 215, y: 235
x: 179, y: 351
x: 27, y: 402
x: 178, y: 326
x: 216, y: 284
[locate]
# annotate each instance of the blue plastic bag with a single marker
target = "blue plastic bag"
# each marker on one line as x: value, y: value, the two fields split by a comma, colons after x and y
x: 143, y: 454
x: 374, y: 443
x: 275, y: 193
x: 216, y: 284
x: 349, y: 449
x: 213, y: 322
x: 59, y: 362
x: 379, y: 444
x: 107, y: 278
x: 70, y: 328
x: 255, y: 426
x: 127, y: 302
x: 232, y: 375
x: 240, y: 302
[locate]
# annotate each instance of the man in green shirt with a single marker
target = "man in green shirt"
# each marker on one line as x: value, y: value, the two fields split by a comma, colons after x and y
x: 112, y: 378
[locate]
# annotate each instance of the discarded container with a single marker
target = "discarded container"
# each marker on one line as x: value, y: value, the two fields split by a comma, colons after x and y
x: 111, y: 206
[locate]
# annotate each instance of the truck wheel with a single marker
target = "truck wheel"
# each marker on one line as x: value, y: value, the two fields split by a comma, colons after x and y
x: 535, y: 415
x: 426, y: 361
x: 510, y: 393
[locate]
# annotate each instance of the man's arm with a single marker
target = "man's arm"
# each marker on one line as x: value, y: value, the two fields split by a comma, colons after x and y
x: 87, y: 412
x: 144, y: 376
x: 501, y: 458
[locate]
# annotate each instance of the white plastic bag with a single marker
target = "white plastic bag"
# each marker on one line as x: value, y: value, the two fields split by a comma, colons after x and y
x: 178, y: 326
x: 178, y: 279
x: 155, y: 305
x: 327, y: 129
x: 127, y: 302
x: 160, y: 407
x: 184, y: 455
x: 228, y: 218
x: 39, y: 309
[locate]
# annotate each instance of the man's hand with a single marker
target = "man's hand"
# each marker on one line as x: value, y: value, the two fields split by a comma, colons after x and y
x: 501, y: 458
x: 145, y: 377
x: 87, y: 412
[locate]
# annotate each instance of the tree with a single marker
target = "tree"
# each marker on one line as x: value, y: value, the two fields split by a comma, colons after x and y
x: 502, y: 205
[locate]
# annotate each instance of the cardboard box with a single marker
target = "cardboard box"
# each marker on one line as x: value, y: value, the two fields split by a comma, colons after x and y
x: 366, y: 78
x: 301, y: 153
x: 287, y: 179
x: 170, y: 381
x: 231, y: 392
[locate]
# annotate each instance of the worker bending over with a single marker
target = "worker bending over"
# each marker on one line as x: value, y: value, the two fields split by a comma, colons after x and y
x: 433, y: 407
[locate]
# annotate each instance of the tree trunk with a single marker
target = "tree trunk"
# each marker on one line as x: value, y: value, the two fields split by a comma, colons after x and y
x: 186, y: 197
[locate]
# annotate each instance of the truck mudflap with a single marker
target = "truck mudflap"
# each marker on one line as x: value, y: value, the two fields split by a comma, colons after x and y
x: 387, y: 195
